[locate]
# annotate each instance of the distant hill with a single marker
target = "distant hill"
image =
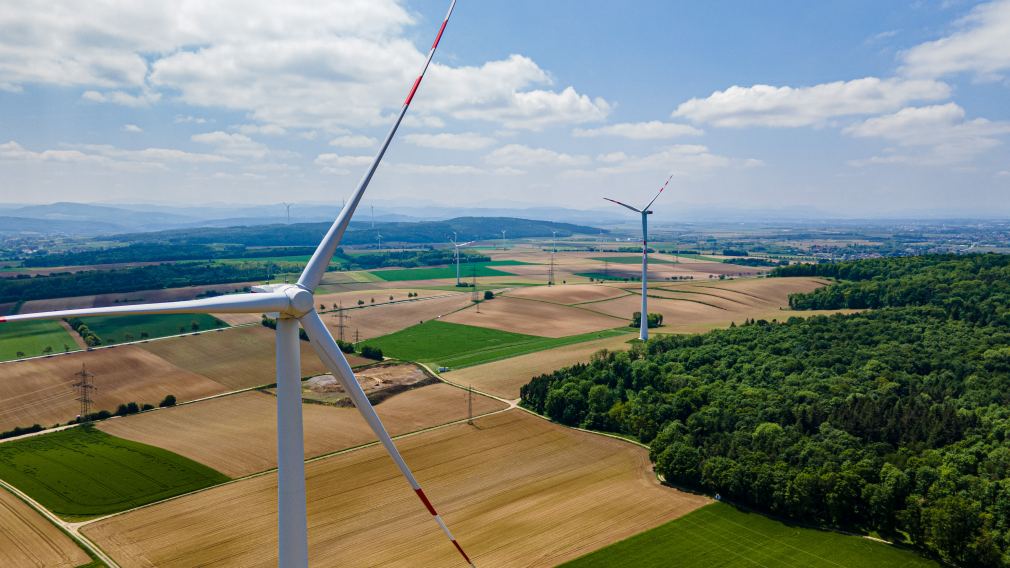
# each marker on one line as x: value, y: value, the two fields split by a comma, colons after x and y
x: 26, y: 225
x: 303, y: 234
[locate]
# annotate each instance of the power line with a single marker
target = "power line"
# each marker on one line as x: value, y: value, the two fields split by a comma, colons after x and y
x: 342, y: 318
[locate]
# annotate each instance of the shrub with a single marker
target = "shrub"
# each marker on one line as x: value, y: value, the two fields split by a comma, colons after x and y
x: 169, y: 400
x: 345, y: 346
x: 488, y: 295
x: 370, y: 352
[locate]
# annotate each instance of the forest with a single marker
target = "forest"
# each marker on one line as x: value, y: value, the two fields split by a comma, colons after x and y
x: 893, y: 421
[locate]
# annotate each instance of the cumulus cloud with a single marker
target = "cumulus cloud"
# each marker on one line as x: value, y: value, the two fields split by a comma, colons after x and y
x: 766, y: 105
x: 353, y: 141
x: 980, y: 46
x: 518, y: 155
x: 937, y: 135
x: 107, y: 156
x: 450, y: 141
x: 132, y: 128
x: 679, y: 159
x: 232, y: 144
x: 300, y: 64
x: 652, y: 130
x: 339, y: 164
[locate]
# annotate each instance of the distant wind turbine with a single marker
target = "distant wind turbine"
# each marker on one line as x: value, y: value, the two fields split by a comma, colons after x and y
x: 293, y: 304
x: 456, y: 246
x: 287, y: 208
x: 643, y: 332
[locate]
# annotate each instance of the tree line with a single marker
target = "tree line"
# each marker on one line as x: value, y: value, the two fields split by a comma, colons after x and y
x: 894, y: 421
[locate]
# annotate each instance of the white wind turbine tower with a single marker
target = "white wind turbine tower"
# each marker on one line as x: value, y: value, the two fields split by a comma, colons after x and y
x: 643, y: 332
x: 456, y: 246
x: 294, y: 304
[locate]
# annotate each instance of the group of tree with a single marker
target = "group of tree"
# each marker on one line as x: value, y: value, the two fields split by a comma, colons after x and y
x: 158, y: 252
x: 894, y: 421
x: 654, y: 320
x: 151, y: 277
x: 82, y: 329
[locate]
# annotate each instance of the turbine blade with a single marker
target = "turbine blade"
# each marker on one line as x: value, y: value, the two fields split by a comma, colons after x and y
x: 316, y: 267
x: 657, y: 195
x: 622, y: 204
x: 231, y: 304
x: 334, y: 359
x: 466, y: 243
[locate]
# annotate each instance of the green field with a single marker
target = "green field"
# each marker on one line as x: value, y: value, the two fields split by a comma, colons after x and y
x: 636, y: 259
x: 455, y: 345
x: 465, y: 271
x: 83, y: 472
x: 115, y: 329
x: 32, y: 337
x: 722, y: 536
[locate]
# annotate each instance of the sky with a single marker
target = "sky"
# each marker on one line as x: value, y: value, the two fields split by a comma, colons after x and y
x: 835, y: 108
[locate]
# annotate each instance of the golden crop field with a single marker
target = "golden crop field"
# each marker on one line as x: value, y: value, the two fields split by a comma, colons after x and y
x: 515, y: 489
x: 28, y: 539
x: 237, y: 434
x: 41, y: 391
x: 373, y: 321
x: 504, y: 378
x: 533, y: 317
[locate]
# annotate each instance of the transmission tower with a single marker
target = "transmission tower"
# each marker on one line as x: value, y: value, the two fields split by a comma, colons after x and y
x: 473, y: 283
x: 342, y: 318
x: 357, y: 336
x: 84, y: 387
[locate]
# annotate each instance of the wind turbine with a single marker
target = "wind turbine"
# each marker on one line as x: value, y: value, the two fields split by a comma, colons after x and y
x: 643, y: 332
x: 294, y: 304
x: 456, y: 246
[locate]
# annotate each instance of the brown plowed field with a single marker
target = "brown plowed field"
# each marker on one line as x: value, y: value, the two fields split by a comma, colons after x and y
x: 237, y: 434
x: 28, y: 539
x: 569, y: 293
x: 40, y: 391
x: 515, y: 489
x: 374, y: 321
x: 381, y: 296
x: 533, y: 317
x: 237, y: 358
x: 503, y: 378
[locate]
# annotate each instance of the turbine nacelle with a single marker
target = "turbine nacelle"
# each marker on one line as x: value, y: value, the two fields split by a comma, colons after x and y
x: 300, y: 300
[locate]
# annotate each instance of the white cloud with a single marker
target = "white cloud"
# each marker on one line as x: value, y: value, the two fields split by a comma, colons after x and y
x: 144, y: 99
x: 518, y: 155
x: 132, y: 128
x: 652, y: 130
x: 339, y: 164
x: 296, y: 65
x: 450, y: 141
x: 187, y: 119
x: 766, y: 105
x: 232, y: 144
x: 939, y: 135
x: 354, y: 141
x: 980, y: 46
x: 679, y: 159
x: 437, y: 169
x: 266, y: 129
x: 108, y: 156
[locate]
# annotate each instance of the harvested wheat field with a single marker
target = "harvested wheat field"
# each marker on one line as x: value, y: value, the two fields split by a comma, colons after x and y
x: 569, y: 294
x: 119, y: 298
x: 504, y: 378
x: 515, y: 489
x: 533, y: 317
x: 28, y: 539
x: 373, y: 321
x: 378, y: 381
x: 237, y: 358
x: 700, y: 306
x: 40, y: 390
x: 381, y: 296
x: 237, y: 434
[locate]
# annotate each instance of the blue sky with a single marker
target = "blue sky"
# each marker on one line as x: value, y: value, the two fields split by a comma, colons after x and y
x: 832, y: 108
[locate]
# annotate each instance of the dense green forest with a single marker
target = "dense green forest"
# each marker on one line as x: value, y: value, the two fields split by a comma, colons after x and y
x: 895, y: 421
x: 158, y: 252
x: 295, y: 234
x: 64, y: 284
